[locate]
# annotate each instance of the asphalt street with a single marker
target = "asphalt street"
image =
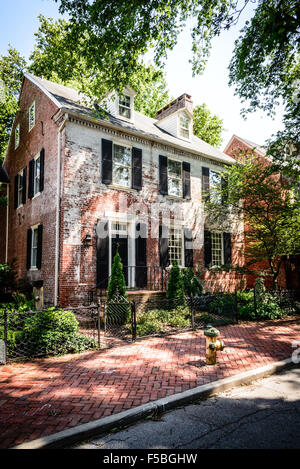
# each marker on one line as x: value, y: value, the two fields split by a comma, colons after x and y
x: 263, y: 415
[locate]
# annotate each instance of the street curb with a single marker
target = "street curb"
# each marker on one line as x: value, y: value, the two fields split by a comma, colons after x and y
x: 103, y: 425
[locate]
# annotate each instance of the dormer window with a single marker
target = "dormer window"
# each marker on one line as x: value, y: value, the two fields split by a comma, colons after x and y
x: 184, y: 125
x: 125, y: 106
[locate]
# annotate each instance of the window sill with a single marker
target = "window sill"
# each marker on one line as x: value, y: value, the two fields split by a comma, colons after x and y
x: 122, y: 188
x: 33, y: 269
x: 36, y: 195
x: 20, y: 206
x: 176, y: 197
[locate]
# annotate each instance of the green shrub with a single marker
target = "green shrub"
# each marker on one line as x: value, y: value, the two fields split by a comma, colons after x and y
x: 12, y: 339
x: 175, y: 285
x: 118, y: 310
x: 157, y: 320
x: 192, y: 284
x: 223, y: 305
x: 206, y: 318
x: 53, y: 332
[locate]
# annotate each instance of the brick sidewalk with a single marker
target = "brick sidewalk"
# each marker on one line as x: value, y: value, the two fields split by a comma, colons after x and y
x: 46, y: 396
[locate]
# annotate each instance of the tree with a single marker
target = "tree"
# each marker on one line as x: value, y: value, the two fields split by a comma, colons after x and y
x: 257, y: 192
x: 207, y: 126
x: 117, y: 284
x: 11, y: 72
x: 264, y: 68
x: 175, y: 285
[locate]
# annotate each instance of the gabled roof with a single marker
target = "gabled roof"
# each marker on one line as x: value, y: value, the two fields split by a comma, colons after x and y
x: 3, y: 175
x: 70, y: 100
x: 251, y: 145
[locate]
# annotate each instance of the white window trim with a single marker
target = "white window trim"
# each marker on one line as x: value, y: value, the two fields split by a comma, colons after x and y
x: 114, y: 184
x: 187, y: 139
x: 33, y: 228
x: 17, y: 141
x: 181, y: 186
x: 35, y: 194
x: 222, y: 249
x: 181, y: 229
x: 131, y: 108
x: 32, y: 105
x: 20, y: 173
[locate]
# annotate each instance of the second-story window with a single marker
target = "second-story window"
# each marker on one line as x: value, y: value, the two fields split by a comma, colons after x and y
x: 215, y: 182
x: 184, y: 125
x: 32, y: 116
x: 121, y: 166
x: 20, y: 188
x: 37, y: 175
x: 175, y: 178
x: 125, y: 106
x: 17, y: 136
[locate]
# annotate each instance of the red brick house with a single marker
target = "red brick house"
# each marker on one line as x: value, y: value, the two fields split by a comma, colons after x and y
x: 82, y: 184
x: 289, y: 276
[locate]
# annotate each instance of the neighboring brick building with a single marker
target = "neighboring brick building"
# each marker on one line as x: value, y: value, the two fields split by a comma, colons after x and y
x: 82, y: 185
x: 289, y: 276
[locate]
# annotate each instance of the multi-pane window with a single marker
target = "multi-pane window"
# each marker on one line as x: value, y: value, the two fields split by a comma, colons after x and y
x: 121, y: 166
x: 34, y: 247
x: 20, y: 188
x: 215, y: 182
x: 37, y: 175
x: 216, y: 249
x: 176, y: 246
x: 124, y: 106
x: 119, y: 228
x: 17, y: 136
x: 175, y: 178
x: 32, y: 116
x: 184, y: 125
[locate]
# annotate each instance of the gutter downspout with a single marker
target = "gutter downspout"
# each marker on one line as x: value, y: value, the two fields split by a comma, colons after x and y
x: 58, y: 189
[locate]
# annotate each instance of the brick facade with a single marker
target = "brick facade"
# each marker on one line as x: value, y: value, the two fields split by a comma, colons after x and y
x: 84, y: 200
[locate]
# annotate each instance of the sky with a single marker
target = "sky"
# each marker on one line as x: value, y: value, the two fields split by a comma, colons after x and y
x: 19, y: 21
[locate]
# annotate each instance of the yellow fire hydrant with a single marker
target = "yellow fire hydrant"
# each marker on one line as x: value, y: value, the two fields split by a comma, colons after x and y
x: 212, y: 344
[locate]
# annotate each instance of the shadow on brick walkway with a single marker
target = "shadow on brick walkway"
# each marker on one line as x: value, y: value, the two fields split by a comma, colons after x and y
x: 43, y: 397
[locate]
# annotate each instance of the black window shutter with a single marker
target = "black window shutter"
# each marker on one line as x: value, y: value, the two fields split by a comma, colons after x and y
x: 164, y: 246
x: 137, y: 179
x: 31, y: 179
x: 186, y: 177
x: 141, y: 255
x: 24, y: 186
x: 29, y: 242
x: 188, y: 249
x: 227, y: 248
x: 107, y: 161
x: 102, y: 270
x: 205, y: 184
x: 39, y: 247
x: 224, y: 183
x: 16, y: 192
x: 207, y: 248
x: 163, y: 174
x: 42, y: 167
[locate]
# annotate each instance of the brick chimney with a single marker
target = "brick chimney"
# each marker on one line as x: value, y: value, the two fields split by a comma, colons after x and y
x: 183, y: 102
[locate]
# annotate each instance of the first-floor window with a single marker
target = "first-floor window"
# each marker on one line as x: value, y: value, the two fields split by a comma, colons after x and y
x: 175, y: 178
x: 217, y: 249
x: 121, y: 166
x: 34, y: 247
x: 176, y: 246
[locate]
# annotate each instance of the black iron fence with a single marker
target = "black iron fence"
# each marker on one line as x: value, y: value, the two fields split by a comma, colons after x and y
x: 29, y: 335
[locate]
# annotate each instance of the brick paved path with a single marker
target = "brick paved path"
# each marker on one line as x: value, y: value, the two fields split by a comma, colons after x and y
x: 46, y: 396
